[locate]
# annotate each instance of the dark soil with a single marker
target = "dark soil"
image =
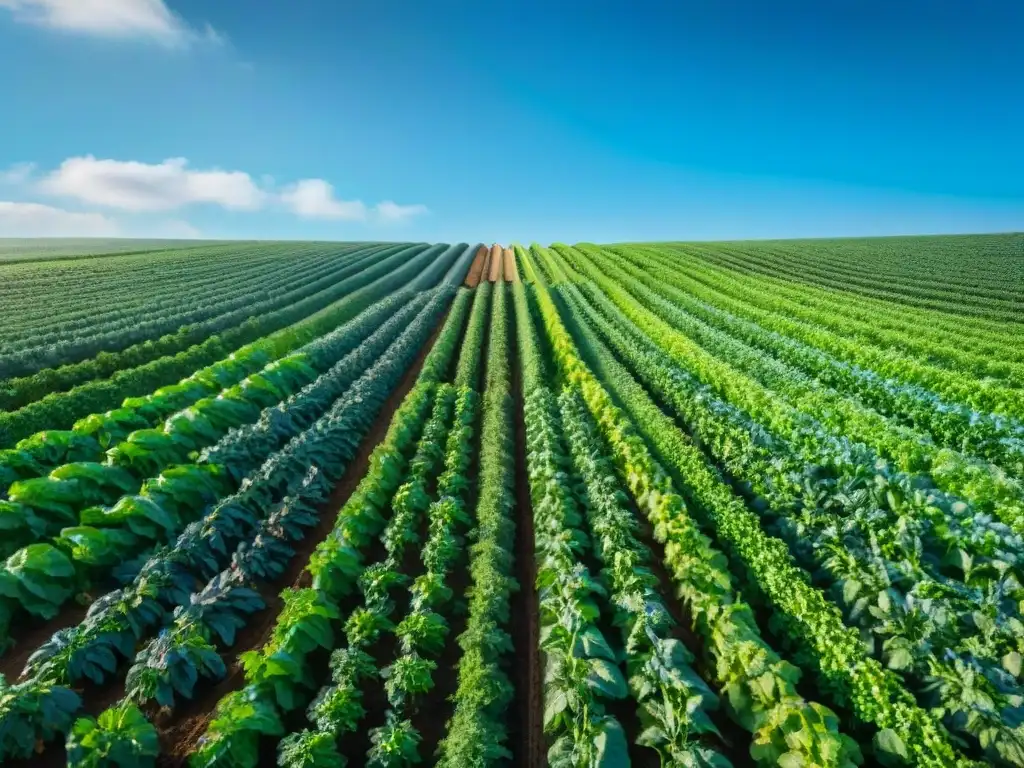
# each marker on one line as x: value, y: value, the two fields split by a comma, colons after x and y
x: 437, y: 707
x: 734, y: 739
x: 624, y: 710
x: 29, y: 634
x: 526, y: 734
x: 180, y: 732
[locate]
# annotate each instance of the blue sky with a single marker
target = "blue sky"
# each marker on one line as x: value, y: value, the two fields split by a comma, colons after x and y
x: 510, y: 121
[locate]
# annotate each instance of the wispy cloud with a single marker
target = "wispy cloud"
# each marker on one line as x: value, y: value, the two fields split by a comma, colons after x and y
x: 393, y: 213
x: 314, y: 199
x: 17, y: 174
x: 135, y: 186
x: 125, y: 19
x: 142, y: 189
x: 37, y: 220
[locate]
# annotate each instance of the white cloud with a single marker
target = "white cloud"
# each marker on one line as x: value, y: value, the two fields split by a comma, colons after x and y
x: 211, y: 35
x: 391, y: 212
x: 134, y: 186
x: 147, y: 19
x: 314, y: 199
x: 144, y: 188
x: 36, y: 220
x: 18, y: 173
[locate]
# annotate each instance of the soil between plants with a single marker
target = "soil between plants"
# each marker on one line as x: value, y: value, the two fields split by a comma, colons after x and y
x: 180, y: 733
x: 476, y: 269
x: 495, y: 263
x: 180, y: 730
x: 511, y: 273
x: 526, y: 735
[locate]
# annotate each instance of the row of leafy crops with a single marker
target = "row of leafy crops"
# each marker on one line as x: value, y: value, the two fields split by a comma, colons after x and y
x: 656, y: 504
x: 242, y: 486
x: 111, y: 318
x: 673, y: 703
x: 59, y: 410
x: 970, y: 275
x: 915, y: 563
x: 19, y: 391
x: 382, y: 584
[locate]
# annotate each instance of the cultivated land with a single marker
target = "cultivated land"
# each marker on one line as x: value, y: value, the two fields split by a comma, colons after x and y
x: 316, y: 504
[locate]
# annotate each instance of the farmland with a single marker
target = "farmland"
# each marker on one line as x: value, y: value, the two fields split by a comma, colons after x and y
x: 386, y: 504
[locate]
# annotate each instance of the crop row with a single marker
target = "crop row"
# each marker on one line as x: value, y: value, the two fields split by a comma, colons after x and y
x: 789, y: 404
x: 123, y: 354
x: 67, y: 342
x: 242, y: 539
x: 367, y: 600
x: 888, y: 355
x: 324, y: 310
x: 57, y: 409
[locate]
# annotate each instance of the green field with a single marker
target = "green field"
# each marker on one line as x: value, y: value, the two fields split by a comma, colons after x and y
x: 688, y: 504
x: 39, y: 249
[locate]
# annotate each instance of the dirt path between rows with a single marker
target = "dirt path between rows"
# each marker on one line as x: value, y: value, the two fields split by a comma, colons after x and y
x: 180, y: 733
x: 495, y: 263
x: 476, y: 269
x: 37, y: 633
x: 485, y: 273
x: 511, y: 273
x: 526, y: 736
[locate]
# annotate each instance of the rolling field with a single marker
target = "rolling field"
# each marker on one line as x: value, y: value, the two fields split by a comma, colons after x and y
x: 385, y: 504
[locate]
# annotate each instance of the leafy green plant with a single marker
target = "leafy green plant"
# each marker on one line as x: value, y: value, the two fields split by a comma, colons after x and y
x: 309, y: 749
x: 140, y: 515
x: 279, y: 670
x: 172, y: 665
x: 377, y: 582
x: 54, y: 499
x: 232, y: 739
x: 409, y: 677
x: 53, y: 447
x: 37, y: 578
x: 423, y: 631
x: 337, y: 709
x: 428, y: 591
x: 121, y: 736
x: 110, y: 428
x: 394, y: 744
x: 604, y: 744
x: 95, y: 483
x: 221, y: 608
x: 97, y: 547
x: 364, y: 626
x: 33, y: 712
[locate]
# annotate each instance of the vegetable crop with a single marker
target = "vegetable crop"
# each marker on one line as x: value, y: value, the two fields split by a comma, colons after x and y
x: 586, y: 506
